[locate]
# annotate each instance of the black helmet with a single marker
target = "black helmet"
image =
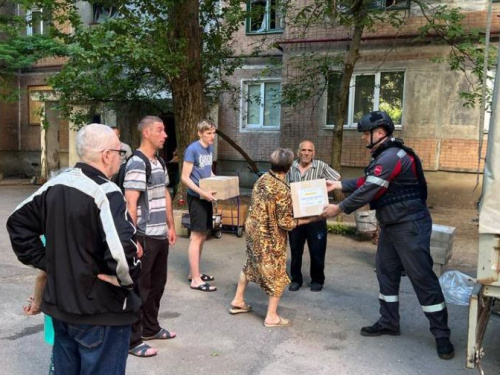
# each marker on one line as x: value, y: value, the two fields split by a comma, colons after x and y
x: 375, y: 120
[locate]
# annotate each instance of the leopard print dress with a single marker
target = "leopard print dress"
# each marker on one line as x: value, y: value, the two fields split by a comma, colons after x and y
x: 269, y: 218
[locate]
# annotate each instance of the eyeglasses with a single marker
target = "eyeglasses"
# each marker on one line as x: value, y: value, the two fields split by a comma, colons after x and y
x: 121, y: 152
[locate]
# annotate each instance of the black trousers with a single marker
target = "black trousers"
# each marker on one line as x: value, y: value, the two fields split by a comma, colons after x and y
x: 151, y: 286
x: 407, y: 245
x: 315, y: 235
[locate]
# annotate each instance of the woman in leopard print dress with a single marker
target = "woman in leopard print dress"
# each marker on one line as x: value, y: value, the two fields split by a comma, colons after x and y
x: 270, y: 217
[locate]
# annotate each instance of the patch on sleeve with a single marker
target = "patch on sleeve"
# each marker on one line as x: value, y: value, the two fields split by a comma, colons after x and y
x: 378, y: 170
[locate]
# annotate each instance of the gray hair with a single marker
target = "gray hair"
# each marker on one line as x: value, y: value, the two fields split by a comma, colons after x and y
x: 301, y: 144
x: 92, y: 139
x: 147, y: 122
x: 205, y: 125
x: 281, y: 160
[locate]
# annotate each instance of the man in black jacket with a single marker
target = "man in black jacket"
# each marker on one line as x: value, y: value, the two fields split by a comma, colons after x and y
x: 90, y: 257
x: 395, y: 186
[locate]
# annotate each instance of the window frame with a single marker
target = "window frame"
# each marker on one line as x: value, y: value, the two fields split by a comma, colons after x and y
x: 244, y: 126
x: 384, y: 7
x: 112, y: 12
x: 376, y: 97
x: 248, y: 26
x: 29, y: 22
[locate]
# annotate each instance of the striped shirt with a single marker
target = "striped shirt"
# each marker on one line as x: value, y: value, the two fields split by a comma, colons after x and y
x: 317, y: 170
x: 151, y: 205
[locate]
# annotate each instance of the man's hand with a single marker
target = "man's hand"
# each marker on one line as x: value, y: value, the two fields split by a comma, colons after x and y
x: 333, y: 185
x: 172, y: 236
x: 331, y: 210
x: 109, y: 279
x: 140, y: 250
x: 32, y: 308
x: 209, y: 195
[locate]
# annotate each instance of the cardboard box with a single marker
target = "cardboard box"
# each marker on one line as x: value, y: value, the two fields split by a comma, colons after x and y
x: 309, y: 197
x: 442, y: 239
x: 229, y: 214
x: 179, y: 229
x: 225, y: 186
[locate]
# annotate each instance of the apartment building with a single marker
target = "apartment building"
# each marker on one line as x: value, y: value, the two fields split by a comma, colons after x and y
x: 395, y: 73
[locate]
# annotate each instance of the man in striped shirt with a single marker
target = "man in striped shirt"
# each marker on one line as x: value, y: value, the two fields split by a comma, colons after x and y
x: 150, y: 206
x: 303, y: 169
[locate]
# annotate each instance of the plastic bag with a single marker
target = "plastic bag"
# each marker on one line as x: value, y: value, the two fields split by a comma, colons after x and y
x: 457, y: 287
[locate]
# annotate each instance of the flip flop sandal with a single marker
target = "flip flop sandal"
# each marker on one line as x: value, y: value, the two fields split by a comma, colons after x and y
x: 281, y: 323
x: 163, y: 334
x: 204, y: 277
x: 239, y: 310
x: 140, y: 351
x: 205, y: 287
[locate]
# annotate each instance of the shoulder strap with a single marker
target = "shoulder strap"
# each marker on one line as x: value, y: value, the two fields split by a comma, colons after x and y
x: 146, y: 161
x: 162, y: 162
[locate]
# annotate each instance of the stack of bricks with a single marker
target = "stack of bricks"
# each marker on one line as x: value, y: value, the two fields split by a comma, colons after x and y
x: 441, y: 246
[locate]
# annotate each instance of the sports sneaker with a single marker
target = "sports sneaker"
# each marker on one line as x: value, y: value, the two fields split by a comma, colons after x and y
x: 444, y: 348
x: 378, y: 330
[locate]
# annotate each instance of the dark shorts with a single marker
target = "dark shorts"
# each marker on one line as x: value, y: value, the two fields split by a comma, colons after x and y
x: 200, y: 214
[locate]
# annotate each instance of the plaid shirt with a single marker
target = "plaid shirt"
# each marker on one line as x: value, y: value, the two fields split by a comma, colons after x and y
x: 317, y: 170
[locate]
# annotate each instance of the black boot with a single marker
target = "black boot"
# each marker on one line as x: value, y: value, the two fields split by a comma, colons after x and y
x: 444, y: 348
x: 378, y: 330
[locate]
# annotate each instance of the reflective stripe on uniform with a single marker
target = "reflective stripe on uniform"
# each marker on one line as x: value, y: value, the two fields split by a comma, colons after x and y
x: 434, y: 308
x: 388, y: 298
x: 401, y: 153
x: 377, y: 181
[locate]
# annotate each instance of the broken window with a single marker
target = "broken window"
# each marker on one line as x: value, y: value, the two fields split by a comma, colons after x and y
x: 367, y: 92
x: 391, y: 4
x: 264, y: 16
x: 102, y: 13
x: 38, y: 21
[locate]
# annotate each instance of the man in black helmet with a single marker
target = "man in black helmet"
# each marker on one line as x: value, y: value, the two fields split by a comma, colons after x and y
x: 394, y: 185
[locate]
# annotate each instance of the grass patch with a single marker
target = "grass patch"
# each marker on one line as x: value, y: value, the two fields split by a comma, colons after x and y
x: 341, y: 229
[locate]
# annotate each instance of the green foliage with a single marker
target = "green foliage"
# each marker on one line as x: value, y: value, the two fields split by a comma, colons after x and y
x: 131, y: 58
x: 341, y: 229
x: 308, y: 73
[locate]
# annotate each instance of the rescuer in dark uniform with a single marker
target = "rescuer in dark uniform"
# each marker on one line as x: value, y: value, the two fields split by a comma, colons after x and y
x: 394, y: 185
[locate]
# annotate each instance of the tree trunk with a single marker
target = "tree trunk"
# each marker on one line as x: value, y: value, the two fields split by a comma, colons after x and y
x: 342, y: 99
x: 187, y: 85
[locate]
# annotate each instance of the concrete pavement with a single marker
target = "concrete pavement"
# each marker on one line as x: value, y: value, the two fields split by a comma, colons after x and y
x: 323, y: 338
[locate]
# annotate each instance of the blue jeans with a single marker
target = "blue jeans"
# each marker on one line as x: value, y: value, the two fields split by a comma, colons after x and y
x: 89, y: 349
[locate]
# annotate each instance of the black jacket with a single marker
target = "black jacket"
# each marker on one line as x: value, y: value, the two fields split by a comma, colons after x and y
x: 393, y: 184
x: 88, y: 231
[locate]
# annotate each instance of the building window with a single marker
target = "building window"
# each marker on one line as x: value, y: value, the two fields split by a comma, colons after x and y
x: 264, y: 16
x: 103, y: 13
x: 38, y: 21
x: 368, y: 92
x: 261, y: 108
x: 391, y: 4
